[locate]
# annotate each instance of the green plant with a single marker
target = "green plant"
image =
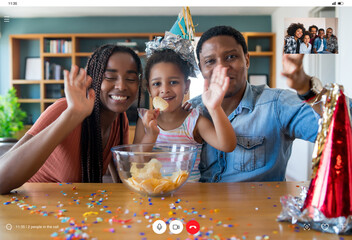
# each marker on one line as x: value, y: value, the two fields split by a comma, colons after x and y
x: 11, y: 115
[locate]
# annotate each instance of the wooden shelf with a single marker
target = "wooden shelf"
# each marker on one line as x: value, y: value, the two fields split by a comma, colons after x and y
x: 24, y: 100
x: 259, y: 34
x: 269, y: 40
x: 112, y: 35
x: 21, y: 81
x: 83, y: 54
x: 49, y: 100
x: 261, y: 54
x: 88, y: 54
x: 53, y: 81
x: 57, y: 54
x: 82, y: 45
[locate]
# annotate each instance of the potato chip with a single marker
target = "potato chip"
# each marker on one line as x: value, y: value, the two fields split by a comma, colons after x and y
x: 149, y: 170
x: 160, y: 103
x: 179, y: 177
x: 163, y: 185
x: 133, y: 183
x: 149, y: 184
x: 148, y: 179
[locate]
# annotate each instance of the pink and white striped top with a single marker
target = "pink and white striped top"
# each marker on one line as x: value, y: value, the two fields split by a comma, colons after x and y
x: 182, y: 134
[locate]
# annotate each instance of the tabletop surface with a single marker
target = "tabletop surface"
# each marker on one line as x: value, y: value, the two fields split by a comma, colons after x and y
x: 111, y: 211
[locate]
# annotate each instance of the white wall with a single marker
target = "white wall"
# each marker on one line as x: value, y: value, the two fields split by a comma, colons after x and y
x: 334, y: 24
x: 326, y: 63
x: 278, y: 26
x: 344, y: 60
x: 197, y: 84
x: 299, y: 165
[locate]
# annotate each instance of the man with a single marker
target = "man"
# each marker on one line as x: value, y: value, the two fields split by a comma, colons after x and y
x: 266, y: 121
x: 320, y: 42
x: 313, y: 33
x: 331, y: 41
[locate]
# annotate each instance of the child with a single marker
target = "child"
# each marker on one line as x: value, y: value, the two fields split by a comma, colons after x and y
x: 167, y: 77
x: 306, y: 47
x: 320, y: 42
x: 71, y: 140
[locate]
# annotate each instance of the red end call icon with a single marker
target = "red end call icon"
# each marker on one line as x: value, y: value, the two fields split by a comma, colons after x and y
x: 192, y: 227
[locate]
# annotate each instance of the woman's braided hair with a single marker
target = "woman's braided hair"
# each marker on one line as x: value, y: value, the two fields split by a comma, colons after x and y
x: 91, y: 140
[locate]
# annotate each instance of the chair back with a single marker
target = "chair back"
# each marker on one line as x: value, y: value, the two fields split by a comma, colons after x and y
x: 6, y: 144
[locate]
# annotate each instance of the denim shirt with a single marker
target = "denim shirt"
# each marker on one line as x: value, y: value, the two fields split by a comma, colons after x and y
x: 266, y: 123
x: 317, y: 43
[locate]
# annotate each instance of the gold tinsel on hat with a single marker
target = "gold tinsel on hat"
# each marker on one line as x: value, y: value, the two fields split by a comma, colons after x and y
x: 329, y: 98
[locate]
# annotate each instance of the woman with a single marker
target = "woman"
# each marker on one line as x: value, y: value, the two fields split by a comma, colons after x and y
x: 71, y: 140
x: 293, y: 39
x: 306, y: 47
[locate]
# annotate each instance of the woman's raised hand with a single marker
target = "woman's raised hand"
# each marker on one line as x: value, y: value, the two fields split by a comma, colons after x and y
x: 215, y: 91
x: 80, y: 100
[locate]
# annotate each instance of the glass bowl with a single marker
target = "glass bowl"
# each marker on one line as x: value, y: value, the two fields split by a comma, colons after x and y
x: 154, y: 170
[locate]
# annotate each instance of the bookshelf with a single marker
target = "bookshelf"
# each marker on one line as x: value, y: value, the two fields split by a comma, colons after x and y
x: 36, y: 95
x: 262, y: 52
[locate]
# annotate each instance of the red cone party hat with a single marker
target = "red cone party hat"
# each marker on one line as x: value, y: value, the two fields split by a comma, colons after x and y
x: 330, y: 190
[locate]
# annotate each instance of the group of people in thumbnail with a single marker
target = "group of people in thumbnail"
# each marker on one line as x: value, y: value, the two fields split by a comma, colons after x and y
x: 314, y: 41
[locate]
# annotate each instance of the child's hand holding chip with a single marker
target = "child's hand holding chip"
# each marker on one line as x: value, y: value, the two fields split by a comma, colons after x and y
x: 151, y: 125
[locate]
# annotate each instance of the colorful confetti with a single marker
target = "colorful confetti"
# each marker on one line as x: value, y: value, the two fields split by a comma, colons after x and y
x: 121, y: 217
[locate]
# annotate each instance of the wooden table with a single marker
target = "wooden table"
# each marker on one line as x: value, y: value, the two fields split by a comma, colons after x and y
x: 224, y: 210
